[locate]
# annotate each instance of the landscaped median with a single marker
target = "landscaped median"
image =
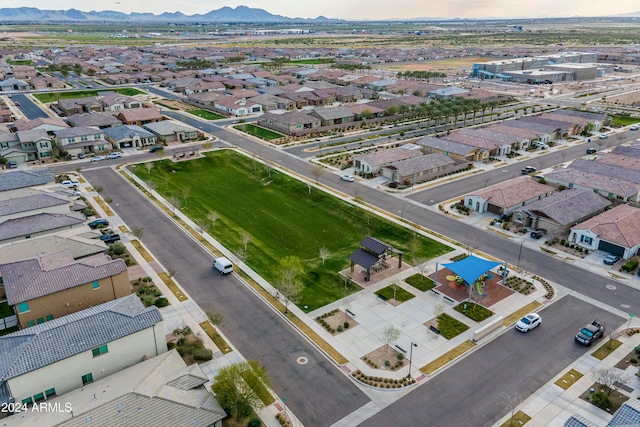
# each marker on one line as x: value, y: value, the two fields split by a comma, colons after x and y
x: 173, y: 287
x: 259, y: 132
x: 447, y: 358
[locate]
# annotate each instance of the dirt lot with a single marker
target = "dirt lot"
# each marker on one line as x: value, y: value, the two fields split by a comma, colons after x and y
x: 451, y: 64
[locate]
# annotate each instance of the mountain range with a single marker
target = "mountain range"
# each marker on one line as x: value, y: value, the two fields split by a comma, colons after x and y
x: 224, y: 14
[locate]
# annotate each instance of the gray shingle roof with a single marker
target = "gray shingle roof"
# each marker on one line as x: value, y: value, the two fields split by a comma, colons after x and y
x: 594, y: 180
x: 567, y: 207
x: 29, y: 203
x: 32, y: 278
x: 21, y: 179
x: 627, y: 416
x: 38, y: 223
x: 423, y: 163
x: 127, y: 131
x: 78, y: 131
x: 94, y: 119
x: 41, y: 345
x: 446, y: 145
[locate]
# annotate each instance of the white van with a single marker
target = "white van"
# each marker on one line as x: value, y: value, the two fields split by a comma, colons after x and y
x: 223, y: 265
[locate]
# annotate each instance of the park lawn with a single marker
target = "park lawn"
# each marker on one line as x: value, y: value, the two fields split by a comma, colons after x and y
x: 259, y: 132
x: 401, y: 294
x: 206, y: 114
x: 624, y: 121
x: 282, y: 218
x: 420, y: 282
x: 473, y: 311
x: 450, y: 327
x: 54, y: 96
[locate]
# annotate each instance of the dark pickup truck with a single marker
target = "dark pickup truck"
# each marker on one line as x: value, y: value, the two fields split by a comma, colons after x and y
x: 110, y: 238
x: 588, y: 334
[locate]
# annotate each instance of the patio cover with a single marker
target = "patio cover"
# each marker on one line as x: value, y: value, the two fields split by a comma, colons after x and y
x: 471, y: 268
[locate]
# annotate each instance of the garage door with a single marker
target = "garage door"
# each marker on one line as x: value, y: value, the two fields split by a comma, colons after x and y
x: 611, y: 248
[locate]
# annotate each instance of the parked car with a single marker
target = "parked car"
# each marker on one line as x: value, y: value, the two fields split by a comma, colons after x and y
x: 591, y: 151
x: 17, y: 103
x: 611, y: 259
x: 110, y: 238
x: 81, y: 155
x: 633, y: 127
x: 529, y: 322
x: 528, y: 169
x: 536, y: 234
x: 156, y: 148
x: 67, y: 183
x: 98, y: 222
x: 114, y: 155
x: 349, y: 178
x: 12, y: 165
x: 604, y: 136
x: 590, y: 333
x: 97, y: 159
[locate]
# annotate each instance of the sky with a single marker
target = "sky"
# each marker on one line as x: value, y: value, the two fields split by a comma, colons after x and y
x: 358, y: 9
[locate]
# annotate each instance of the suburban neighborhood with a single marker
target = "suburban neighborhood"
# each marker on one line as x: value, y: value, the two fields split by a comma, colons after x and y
x: 308, y: 224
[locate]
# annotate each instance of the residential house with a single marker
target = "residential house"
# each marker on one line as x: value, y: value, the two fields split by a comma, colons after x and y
x: 172, y: 130
x: 15, y: 180
x: 24, y: 146
x: 422, y: 168
x: 27, y: 227
x: 205, y: 86
x: 545, y: 132
x: 54, y: 285
x: 508, y: 196
x: 562, y: 210
x: 46, y: 82
x: 64, y: 354
x: 162, y: 385
x: 48, y: 124
x: 6, y: 116
x: 114, y: 103
x: 607, y: 186
x: 16, y: 204
x: 100, y: 120
x: 80, y: 105
x: 456, y: 150
x: 272, y: 102
x: 84, y: 139
x: 475, y: 139
x: 627, y: 415
x: 24, y: 72
x: 11, y: 84
x: 237, y: 107
x: 78, y: 245
x: 447, y: 92
x: 333, y: 115
x: 616, y: 231
x: 290, y: 123
x: 129, y: 136
x: 380, y: 85
x: 372, y: 163
x: 359, y: 108
x: 140, y: 116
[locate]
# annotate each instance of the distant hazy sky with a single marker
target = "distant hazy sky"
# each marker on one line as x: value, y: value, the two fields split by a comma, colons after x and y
x: 358, y: 9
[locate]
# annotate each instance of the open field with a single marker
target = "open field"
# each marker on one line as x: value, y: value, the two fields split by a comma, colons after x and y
x: 281, y: 218
x: 438, y: 65
x: 54, y: 96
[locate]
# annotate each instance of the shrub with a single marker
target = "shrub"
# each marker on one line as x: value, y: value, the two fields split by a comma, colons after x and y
x: 203, y: 354
x: 171, y: 345
x: 400, y: 356
x: 118, y: 248
x: 562, y: 241
x: 254, y: 422
x: 634, y: 361
x: 387, y: 363
x: 630, y: 265
x: 340, y: 328
x: 346, y: 325
x: 161, y: 302
x: 601, y: 400
x: 146, y: 279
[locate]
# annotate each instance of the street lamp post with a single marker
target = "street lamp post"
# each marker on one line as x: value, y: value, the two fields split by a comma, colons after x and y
x: 411, y: 358
x: 519, y: 255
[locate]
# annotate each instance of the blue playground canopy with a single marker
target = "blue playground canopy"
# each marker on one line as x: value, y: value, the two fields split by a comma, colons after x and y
x: 471, y: 268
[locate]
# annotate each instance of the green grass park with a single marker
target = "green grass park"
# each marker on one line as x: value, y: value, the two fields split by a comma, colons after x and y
x: 259, y: 132
x: 54, y: 96
x: 282, y: 218
x: 206, y: 114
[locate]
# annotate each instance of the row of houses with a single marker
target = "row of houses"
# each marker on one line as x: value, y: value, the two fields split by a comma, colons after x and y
x: 84, y: 342
x: 90, y: 133
x: 507, y: 136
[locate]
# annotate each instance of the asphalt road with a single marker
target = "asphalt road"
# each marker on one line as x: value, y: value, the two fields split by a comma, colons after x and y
x: 469, y: 393
x: 317, y: 392
x: 28, y: 107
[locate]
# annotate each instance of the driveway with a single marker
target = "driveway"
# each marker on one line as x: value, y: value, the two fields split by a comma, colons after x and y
x: 469, y: 393
x: 317, y: 392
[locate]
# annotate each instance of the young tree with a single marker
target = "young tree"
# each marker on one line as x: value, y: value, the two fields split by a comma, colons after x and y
x: 610, y: 378
x: 324, y: 253
x: 148, y: 166
x: 290, y: 292
x: 137, y: 232
x: 317, y: 171
x: 395, y: 285
x: 234, y: 387
x: 216, y: 319
x: 510, y: 402
x: 390, y: 335
x: 185, y: 194
x: 245, y: 238
x: 203, y: 225
x: 290, y: 269
x: 213, y: 217
x: 174, y: 202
